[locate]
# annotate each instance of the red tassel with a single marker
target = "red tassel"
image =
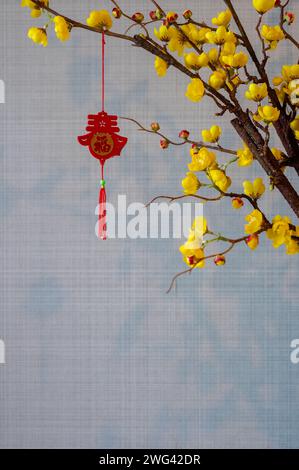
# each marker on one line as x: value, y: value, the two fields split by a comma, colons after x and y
x: 102, y: 214
x: 102, y: 209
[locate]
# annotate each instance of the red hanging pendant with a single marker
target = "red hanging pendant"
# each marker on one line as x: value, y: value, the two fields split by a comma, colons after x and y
x: 103, y: 143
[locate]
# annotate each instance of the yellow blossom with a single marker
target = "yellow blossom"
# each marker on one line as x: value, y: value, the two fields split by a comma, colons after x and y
x: 35, y: 10
x: 179, y: 39
x: 100, y: 19
x: 228, y: 48
x: 219, y: 178
x: 277, y: 154
x: 277, y: 81
x: 255, y: 189
x: 279, y: 232
x: 195, y: 90
x: 193, y: 254
x: 217, y: 79
x: 268, y: 113
x: 201, y: 160
x: 192, y: 250
x: 38, y: 35
x: 235, y: 60
x: 255, y: 222
x: 292, y: 245
x: 272, y: 34
x: 190, y: 183
x: 220, y: 36
x: 262, y: 6
x: 213, y: 57
x: 292, y: 89
x: 62, y: 28
x: 290, y: 72
x: 200, y: 226
x: 198, y: 35
x: 27, y: 3
x: 234, y: 83
x: 256, y: 92
x: 211, y: 135
x: 161, y: 66
x: 223, y: 18
x: 245, y: 156
x: 295, y: 127
x: 163, y: 33
x: 280, y: 92
x: 195, y: 62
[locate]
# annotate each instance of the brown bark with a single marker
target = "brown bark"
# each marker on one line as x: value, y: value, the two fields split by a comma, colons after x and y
x: 253, y: 139
x: 282, y: 126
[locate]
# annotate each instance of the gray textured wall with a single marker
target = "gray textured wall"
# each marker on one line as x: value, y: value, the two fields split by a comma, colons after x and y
x: 97, y: 355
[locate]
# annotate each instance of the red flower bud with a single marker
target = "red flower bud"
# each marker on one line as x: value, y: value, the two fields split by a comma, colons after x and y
x: 138, y: 17
x: 155, y: 126
x: 184, y: 134
x: 164, y: 144
x: 277, y: 3
x: 153, y: 15
x: 252, y: 241
x: 172, y: 18
x: 289, y: 17
x: 219, y: 260
x: 116, y: 12
x: 187, y: 14
x: 237, y: 203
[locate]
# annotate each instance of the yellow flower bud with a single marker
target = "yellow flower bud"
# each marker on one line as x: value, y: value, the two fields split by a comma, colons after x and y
x: 211, y: 135
x: 262, y: 6
x: 223, y: 18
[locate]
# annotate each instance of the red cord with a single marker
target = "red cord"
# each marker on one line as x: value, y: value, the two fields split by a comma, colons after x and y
x: 103, y: 70
x: 102, y: 208
x: 102, y: 194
